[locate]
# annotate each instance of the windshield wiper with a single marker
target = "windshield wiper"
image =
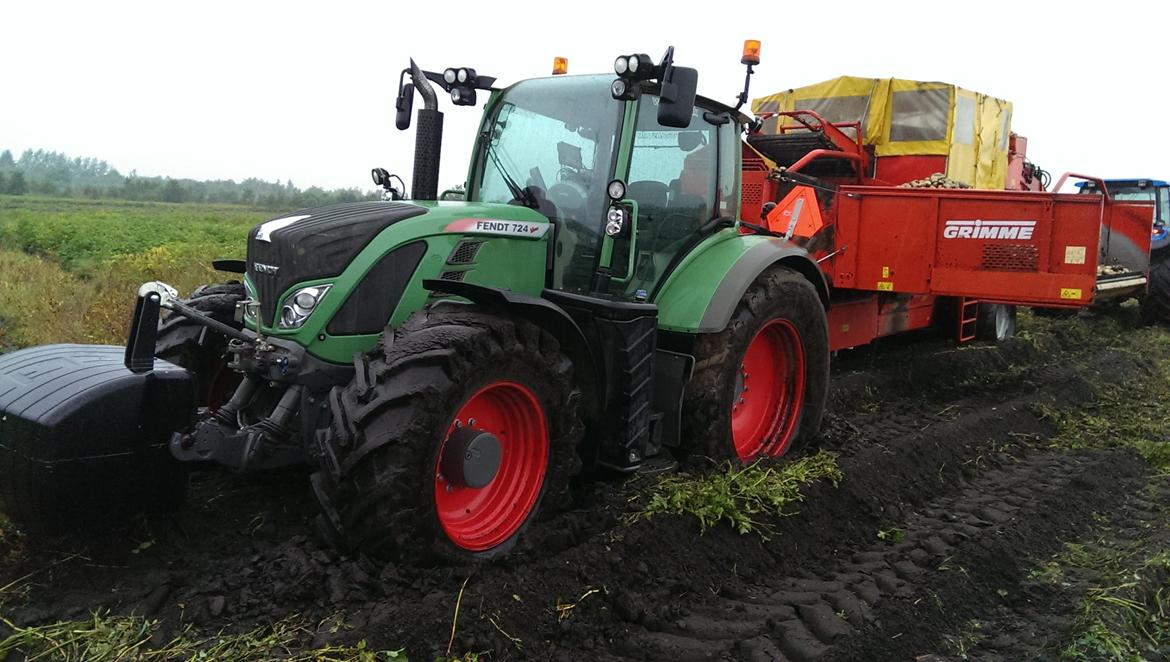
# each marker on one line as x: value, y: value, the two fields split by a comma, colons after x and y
x: 524, y: 195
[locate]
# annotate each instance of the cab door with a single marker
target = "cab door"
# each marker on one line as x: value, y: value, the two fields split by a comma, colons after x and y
x: 681, y: 181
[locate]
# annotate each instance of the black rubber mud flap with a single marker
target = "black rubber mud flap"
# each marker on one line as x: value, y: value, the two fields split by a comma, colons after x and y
x: 83, y: 439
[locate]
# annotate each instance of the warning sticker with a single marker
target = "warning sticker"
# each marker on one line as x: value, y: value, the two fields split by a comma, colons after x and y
x: 1070, y: 293
x: 498, y: 227
x: 1074, y: 254
x: 885, y: 285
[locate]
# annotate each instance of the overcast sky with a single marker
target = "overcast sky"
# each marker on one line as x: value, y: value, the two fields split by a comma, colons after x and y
x: 284, y: 90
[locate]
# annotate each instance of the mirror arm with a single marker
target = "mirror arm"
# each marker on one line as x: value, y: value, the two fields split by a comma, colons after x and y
x: 743, y: 96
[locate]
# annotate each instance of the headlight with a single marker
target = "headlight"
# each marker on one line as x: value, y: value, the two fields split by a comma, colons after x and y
x: 300, y: 305
x: 614, y: 220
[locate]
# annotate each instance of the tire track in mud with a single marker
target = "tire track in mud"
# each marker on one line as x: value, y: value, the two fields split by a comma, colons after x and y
x: 813, y: 616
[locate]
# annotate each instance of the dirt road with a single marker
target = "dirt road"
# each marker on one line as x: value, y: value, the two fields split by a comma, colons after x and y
x: 993, y: 506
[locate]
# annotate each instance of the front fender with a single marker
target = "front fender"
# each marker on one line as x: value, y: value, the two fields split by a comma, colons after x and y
x: 702, y: 292
x: 590, y: 372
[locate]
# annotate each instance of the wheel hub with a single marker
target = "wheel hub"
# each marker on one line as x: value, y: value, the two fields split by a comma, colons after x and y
x: 471, y: 458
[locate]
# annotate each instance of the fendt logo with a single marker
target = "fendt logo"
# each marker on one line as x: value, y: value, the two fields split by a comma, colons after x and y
x: 980, y: 229
x: 262, y: 268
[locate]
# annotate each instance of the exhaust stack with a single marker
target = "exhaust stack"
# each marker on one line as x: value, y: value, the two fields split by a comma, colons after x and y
x: 428, y: 139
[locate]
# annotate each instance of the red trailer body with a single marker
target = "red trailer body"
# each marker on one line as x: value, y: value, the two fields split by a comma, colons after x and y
x: 897, y: 259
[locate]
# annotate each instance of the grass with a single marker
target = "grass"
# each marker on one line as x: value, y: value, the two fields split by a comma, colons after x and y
x: 83, y: 234
x: 1124, y: 613
x: 107, y: 637
x: 740, y: 497
x: 1128, y: 414
x: 69, y: 269
x: 969, y: 637
x: 1126, y: 620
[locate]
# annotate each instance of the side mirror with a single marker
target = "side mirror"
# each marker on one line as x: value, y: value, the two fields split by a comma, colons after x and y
x: 677, y: 99
x: 404, y: 105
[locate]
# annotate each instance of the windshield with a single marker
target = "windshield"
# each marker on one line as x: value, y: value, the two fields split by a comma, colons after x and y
x: 549, y: 144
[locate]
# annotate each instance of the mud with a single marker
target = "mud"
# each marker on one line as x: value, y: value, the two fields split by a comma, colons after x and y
x: 951, y: 496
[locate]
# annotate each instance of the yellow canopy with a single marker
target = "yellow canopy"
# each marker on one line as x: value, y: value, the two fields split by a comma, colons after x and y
x: 906, y: 118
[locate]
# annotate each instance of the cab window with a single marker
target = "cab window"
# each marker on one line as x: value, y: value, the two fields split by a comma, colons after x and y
x: 675, y: 179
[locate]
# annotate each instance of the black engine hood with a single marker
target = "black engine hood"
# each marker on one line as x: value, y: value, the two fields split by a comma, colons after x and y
x: 314, y: 243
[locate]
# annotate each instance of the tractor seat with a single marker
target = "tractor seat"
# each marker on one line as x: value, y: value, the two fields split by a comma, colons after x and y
x: 651, y: 197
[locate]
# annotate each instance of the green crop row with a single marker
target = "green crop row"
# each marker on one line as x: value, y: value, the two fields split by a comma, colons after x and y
x: 69, y: 269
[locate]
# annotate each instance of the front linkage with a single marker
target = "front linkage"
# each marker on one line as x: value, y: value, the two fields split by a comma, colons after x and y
x: 261, y: 426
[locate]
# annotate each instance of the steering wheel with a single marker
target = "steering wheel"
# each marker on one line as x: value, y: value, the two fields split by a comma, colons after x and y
x: 568, y: 196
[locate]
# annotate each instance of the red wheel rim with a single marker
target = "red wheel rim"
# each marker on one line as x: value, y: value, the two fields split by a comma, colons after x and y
x: 769, y: 392
x: 480, y: 519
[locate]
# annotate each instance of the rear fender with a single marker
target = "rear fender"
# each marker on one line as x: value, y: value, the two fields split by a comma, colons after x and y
x: 703, y: 291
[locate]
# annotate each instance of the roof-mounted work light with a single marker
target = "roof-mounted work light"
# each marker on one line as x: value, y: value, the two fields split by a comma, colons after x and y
x: 461, y: 83
x: 630, y: 70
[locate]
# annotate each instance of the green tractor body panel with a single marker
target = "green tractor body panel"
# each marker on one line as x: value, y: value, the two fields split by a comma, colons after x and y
x: 702, y: 291
x: 512, y: 256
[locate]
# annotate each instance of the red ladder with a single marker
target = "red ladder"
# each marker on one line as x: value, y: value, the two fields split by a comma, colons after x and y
x: 968, y: 319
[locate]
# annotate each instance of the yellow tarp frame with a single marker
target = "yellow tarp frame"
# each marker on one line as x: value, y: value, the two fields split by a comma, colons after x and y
x: 902, y: 117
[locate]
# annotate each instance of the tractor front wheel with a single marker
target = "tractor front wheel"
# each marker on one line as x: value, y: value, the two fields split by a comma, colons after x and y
x: 455, y: 431
x: 760, y: 385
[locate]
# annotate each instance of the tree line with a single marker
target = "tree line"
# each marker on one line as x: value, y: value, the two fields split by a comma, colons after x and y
x: 42, y: 172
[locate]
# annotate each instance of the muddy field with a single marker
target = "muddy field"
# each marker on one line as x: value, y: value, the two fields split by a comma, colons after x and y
x: 996, y: 503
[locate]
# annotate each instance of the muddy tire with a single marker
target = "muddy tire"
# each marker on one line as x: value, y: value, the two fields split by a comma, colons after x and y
x: 995, y: 322
x: 1155, y: 307
x: 388, y: 485
x: 778, y: 335
x: 199, y: 349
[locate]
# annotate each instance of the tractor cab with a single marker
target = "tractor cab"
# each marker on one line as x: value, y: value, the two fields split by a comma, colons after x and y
x: 626, y: 194
x: 1141, y: 190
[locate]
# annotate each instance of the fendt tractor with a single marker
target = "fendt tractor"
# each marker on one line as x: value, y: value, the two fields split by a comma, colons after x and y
x: 637, y: 275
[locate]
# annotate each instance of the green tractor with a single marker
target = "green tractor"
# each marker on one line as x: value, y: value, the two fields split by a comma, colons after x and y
x: 449, y: 366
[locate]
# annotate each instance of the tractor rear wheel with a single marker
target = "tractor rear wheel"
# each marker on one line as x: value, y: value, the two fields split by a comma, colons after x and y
x: 199, y: 349
x: 1156, y: 303
x: 456, y: 429
x: 760, y: 385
